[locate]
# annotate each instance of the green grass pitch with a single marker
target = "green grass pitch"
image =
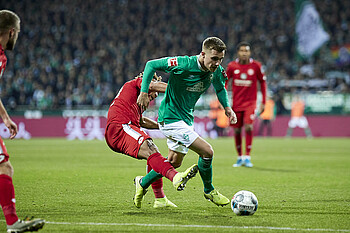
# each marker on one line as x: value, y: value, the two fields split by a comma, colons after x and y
x: 82, y: 186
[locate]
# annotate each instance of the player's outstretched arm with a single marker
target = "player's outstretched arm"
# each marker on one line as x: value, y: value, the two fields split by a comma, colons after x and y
x: 143, y: 100
x: 158, y: 87
x: 148, y: 123
x: 7, y: 121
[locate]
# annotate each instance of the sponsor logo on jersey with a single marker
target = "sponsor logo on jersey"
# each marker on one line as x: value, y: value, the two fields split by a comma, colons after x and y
x: 236, y: 71
x: 250, y: 71
x: 243, y: 76
x: 243, y: 83
x: 198, y: 87
x: 172, y: 61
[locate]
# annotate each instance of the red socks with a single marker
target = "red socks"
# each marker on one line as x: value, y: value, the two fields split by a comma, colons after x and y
x: 162, y: 166
x: 238, y: 140
x: 248, y: 141
x: 157, y: 186
x: 7, y: 199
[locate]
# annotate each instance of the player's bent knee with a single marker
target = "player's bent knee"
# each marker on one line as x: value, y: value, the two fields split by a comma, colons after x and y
x: 151, y: 146
x: 208, y: 153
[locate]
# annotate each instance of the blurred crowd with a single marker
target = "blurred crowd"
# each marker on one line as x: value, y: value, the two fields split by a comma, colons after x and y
x: 76, y: 54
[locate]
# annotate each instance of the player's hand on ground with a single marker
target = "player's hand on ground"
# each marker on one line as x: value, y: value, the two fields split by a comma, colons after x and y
x: 12, y: 127
x: 231, y: 115
x: 143, y: 100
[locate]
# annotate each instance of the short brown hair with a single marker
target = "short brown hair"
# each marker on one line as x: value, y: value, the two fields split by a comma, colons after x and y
x: 214, y: 43
x: 243, y: 43
x: 8, y: 20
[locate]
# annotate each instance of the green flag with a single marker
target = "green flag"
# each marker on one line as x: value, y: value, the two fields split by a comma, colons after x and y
x: 310, y: 34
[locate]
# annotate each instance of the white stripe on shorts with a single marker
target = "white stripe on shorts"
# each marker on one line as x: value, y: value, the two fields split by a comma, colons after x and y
x: 134, y: 134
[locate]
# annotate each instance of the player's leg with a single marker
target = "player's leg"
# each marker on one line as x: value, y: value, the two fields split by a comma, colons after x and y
x: 206, y: 153
x: 269, y: 128
x: 161, y: 167
x: 157, y: 185
x: 238, y: 138
x: 292, y: 123
x: 175, y: 159
x: 7, y: 192
x: 248, y: 119
x: 159, y: 164
x: 160, y: 199
x: 304, y: 124
x: 248, y: 144
x: 261, y: 127
x: 131, y: 140
x: 7, y: 198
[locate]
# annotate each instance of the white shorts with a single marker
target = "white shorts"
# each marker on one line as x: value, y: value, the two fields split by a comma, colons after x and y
x: 298, y: 122
x: 179, y: 136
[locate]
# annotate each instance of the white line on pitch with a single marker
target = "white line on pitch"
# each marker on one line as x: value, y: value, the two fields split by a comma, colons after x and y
x: 196, y: 226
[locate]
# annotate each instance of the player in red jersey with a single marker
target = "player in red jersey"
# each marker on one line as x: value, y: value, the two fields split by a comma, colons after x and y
x: 9, y: 29
x: 124, y: 135
x: 245, y: 73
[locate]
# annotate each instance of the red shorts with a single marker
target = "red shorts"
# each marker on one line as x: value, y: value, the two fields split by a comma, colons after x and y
x: 125, y: 138
x: 4, y: 156
x: 245, y: 117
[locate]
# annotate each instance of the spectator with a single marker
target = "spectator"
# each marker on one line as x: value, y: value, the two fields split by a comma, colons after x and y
x: 79, y: 42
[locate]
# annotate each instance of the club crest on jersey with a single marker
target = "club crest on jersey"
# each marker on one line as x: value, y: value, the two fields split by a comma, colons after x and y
x: 243, y: 76
x: 250, y: 71
x: 172, y: 61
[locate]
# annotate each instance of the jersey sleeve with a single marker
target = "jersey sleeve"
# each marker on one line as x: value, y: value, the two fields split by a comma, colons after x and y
x: 262, y: 80
x: 229, y: 74
x: 166, y: 64
x: 219, y: 80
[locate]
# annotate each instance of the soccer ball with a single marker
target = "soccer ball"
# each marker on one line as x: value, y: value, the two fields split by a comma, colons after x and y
x: 244, y: 203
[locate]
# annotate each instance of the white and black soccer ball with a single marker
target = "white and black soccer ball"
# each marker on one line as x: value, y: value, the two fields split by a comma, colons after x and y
x: 244, y: 203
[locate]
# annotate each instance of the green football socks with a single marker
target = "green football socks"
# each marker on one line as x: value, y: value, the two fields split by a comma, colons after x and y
x: 206, y: 172
x: 148, y: 179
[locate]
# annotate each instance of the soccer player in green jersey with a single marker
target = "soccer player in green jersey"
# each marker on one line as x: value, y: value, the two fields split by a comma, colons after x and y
x: 190, y: 77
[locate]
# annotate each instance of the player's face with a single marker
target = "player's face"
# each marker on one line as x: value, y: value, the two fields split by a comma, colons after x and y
x: 244, y: 53
x: 13, y: 38
x: 212, y: 59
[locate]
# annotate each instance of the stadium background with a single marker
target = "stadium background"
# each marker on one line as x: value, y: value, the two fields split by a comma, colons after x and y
x: 72, y: 57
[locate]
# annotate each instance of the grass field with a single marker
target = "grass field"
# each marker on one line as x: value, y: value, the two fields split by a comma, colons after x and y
x: 82, y: 186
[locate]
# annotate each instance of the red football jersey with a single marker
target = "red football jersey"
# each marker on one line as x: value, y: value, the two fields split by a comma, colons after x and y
x: 3, y: 61
x: 244, y: 83
x: 124, y: 108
